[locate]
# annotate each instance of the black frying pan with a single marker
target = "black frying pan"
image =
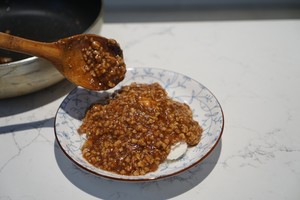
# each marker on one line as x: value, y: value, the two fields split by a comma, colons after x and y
x: 46, y: 20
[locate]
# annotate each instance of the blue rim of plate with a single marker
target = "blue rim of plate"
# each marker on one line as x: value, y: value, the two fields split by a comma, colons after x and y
x: 206, y: 110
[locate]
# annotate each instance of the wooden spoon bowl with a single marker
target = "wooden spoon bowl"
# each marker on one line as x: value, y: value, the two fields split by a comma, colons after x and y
x: 88, y: 60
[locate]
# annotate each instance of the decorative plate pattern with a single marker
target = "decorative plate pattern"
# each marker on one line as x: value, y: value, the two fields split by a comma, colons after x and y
x: 206, y: 110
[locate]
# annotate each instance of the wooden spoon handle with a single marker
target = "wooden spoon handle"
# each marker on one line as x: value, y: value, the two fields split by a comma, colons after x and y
x: 26, y: 46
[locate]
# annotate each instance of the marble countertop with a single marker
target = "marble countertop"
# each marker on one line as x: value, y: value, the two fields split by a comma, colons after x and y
x: 251, y: 66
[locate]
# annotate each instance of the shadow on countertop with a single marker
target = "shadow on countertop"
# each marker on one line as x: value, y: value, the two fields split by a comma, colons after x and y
x: 161, y: 189
x: 21, y: 104
x: 27, y: 126
x: 17, y: 105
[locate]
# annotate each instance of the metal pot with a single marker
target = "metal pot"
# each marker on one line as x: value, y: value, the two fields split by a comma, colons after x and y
x: 45, y: 21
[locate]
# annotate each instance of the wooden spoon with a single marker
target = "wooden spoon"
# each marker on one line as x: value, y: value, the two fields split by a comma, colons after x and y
x: 87, y: 60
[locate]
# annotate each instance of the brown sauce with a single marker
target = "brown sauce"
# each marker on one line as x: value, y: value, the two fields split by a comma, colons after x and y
x: 106, y: 67
x: 133, y: 132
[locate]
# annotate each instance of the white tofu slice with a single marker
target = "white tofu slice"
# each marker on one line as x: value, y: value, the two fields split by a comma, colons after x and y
x: 177, y: 150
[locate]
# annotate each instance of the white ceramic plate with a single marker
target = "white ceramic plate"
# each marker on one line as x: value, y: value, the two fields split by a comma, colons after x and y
x: 206, y: 110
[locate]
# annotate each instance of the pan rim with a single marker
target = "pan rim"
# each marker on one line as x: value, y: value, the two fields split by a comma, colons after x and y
x: 31, y: 59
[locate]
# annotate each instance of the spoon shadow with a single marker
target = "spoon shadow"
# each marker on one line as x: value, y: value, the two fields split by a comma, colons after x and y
x: 27, y: 126
x: 80, y: 100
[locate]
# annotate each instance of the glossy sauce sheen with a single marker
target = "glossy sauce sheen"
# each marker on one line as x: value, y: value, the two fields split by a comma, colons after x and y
x: 106, y: 68
x: 132, y: 133
x: 94, y: 62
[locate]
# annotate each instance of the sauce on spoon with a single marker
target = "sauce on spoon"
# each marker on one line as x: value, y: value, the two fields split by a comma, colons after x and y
x: 88, y: 60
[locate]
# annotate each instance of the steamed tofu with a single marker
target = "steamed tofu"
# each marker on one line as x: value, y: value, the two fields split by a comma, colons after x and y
x: 177, y: 150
